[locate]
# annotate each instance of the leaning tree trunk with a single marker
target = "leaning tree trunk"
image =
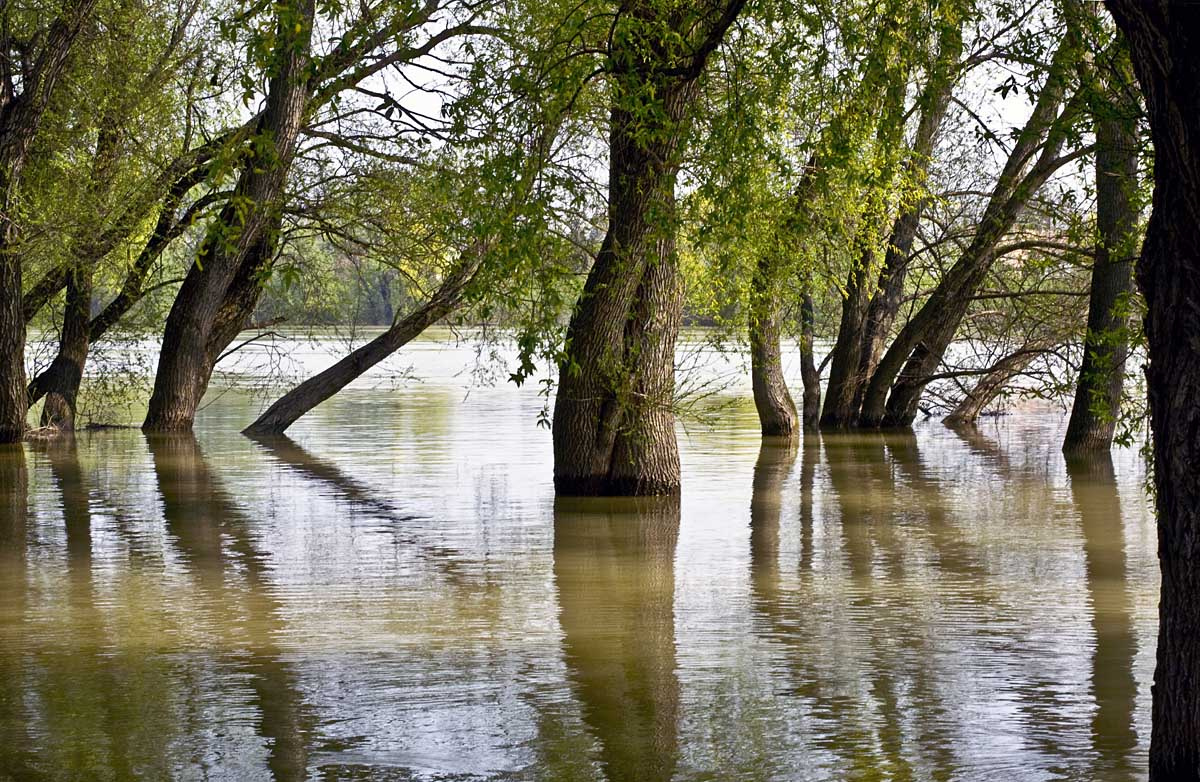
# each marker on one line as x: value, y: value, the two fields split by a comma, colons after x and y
x: 1106, y: 346
x: 917, y: 350
x: 312, y: 392
x: 614, y: 428
x: 244, y: 231
x: 889, y: 294
x: 989, y: 386
x: 776, y: 410
x: 1164, y: 42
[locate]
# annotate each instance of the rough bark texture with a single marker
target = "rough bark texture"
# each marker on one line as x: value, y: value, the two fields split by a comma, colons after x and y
x: 1164, y: 42
x: 20, y: 116
x: 244, y: 233
x: 990, y: 385
x: 920, y: 345
x: 312, y: 392
x: 1102, y: 373
x: 776, y: 410
x: 614, y: 569
x: 614, y: 430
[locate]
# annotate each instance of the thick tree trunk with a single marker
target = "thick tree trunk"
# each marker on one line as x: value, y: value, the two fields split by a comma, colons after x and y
x: 920, y: 345
x: 614, y: 569
x: 244, y: 233
x: 776, y: 410
x: 842, y: 390
x: 1106, y: 346
x: 986, y: 389
x: 1164, y: 42
x: 614, y: 429
x: 312, y: 392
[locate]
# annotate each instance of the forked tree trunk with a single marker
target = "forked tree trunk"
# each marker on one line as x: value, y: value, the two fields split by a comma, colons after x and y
x: 776, y: 410
x: 889, y: 293
x: 918, y: 349
x: 614, y: 428
x: 20, y: 116
x: 169, y: 226
x: 1164, y: 42
x: 321, y: 386
x: 203, y: 314
x: 1106, y: 346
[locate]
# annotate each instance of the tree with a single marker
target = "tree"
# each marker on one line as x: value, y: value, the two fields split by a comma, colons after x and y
x: 895, y: 388
x: 867, y: 316
x: 1164, y: 39
x: 244, y: 234
x: 1101, y: 377
x: 31, y: 60
x: 613, y: 425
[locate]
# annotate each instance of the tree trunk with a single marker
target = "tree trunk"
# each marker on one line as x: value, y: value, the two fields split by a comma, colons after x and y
x: 967, y: 412
x: 1106, y: 346
x: 1164, y: 42
x: 867, y: 313
x: 63, y: 377
x: 776, y: 410
x: 614, y: 429
x: 844, y: 380
x: 241, y: 236
x: 20, y: 116
x: 809, y: 376
x: 918, y: 348
x: 312, y: 392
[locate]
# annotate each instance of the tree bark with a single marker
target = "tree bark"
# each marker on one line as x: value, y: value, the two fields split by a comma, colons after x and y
x: 889, y: 292
x: 1106, y: 346
x: 243, y: 234
x: 63, y: 377
x: 614, y: 429
x: 320, y: 387
x: 1164, y: 42
x: 809, y: 376
x: 20, y: 116
x: 776, y: 410
x: 918, y: 348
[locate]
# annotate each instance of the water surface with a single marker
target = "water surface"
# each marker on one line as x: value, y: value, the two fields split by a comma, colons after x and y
x: 394, y: 593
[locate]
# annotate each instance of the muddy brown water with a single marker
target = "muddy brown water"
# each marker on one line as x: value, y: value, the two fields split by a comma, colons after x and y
x: 394, y: 593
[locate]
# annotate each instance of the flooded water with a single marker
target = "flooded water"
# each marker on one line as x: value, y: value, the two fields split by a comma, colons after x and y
x: 395, y: 594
